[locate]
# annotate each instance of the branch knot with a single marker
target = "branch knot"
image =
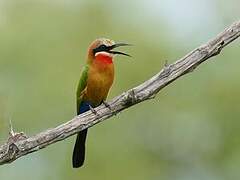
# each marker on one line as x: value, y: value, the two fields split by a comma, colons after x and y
x: 130, y: 98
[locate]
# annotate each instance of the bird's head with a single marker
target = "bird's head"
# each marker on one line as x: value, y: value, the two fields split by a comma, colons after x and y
x: 102, y: 48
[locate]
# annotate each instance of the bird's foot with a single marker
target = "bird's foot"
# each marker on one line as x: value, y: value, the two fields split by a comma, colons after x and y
x: 109, y: 107
x: 93, y: 110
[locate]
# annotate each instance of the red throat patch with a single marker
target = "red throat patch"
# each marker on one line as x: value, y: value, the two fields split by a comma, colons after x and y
x: 104, y: 57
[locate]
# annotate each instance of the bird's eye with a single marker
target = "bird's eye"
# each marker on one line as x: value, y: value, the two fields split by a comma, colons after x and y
x: 102, y: 47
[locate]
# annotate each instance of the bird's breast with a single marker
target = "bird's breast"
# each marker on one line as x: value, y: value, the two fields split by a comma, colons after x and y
x: 99, y: 82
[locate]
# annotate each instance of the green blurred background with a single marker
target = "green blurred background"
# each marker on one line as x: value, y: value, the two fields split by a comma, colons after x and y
x: 190, y: 131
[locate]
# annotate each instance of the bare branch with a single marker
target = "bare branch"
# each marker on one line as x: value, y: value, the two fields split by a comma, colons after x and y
x: 19, y: 144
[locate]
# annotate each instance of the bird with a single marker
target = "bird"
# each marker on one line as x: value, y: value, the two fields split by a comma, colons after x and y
x: 95, y: 82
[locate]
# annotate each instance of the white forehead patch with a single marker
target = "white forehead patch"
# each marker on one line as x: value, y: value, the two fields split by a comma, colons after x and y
x: 107, y: 42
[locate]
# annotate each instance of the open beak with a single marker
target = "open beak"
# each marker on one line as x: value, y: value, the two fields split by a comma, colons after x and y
x: 118, y: 52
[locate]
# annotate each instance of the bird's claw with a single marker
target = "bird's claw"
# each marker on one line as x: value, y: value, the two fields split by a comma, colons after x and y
x: 109, y: 107
x: 93, y: 110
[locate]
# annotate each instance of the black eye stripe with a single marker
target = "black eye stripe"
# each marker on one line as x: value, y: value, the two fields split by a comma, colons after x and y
x: 101, y: 48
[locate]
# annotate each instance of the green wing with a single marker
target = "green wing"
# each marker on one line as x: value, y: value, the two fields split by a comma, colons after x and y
x: 82, y: 85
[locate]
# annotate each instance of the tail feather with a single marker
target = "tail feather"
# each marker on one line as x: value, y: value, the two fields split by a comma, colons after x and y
x: 79, y: 149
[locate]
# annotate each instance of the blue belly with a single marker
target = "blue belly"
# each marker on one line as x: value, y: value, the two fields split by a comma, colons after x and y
x: 84, y: 106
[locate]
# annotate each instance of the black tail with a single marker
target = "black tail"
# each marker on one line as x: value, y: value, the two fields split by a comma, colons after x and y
x: 79, y: 149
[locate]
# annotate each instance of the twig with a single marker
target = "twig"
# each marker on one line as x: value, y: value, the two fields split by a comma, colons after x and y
x: 19, y: 145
